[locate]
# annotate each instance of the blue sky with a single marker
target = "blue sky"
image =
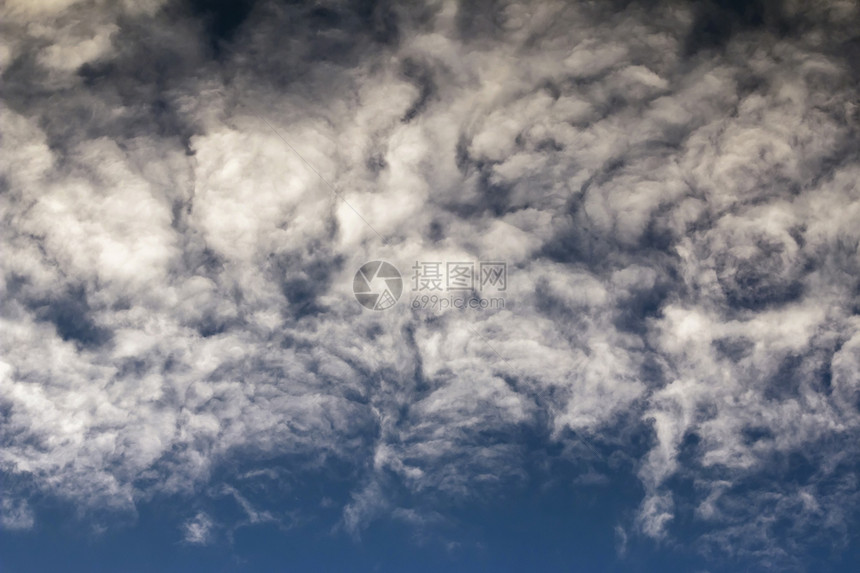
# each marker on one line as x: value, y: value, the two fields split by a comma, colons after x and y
x: 557, y: 528
x: 617, y: 327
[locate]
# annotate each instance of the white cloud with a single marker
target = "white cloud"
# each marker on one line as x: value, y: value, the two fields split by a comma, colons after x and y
x: 680, y: 232
x: 198, y: 530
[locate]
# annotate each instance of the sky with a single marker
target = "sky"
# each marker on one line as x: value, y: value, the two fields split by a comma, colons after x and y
x: 429, y: 286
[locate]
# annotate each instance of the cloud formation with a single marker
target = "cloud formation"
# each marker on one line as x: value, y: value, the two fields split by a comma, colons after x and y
x: 673, y: 187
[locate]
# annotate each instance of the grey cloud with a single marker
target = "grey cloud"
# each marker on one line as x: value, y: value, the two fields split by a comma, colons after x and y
x: 17, y: 514
x: 673, y: 188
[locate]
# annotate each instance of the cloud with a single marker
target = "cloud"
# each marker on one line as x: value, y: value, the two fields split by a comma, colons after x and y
x: 672, y: 187
x: 17, y: 514
x: 198, y: 530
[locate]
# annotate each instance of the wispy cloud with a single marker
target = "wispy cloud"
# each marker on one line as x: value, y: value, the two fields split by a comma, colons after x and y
x: 198, y: 530
x: 676, y: 202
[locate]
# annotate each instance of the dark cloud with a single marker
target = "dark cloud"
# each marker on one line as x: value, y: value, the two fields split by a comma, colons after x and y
x: 221, y: 19
x: 672, y: 186
x: 71, y: 315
